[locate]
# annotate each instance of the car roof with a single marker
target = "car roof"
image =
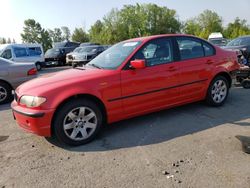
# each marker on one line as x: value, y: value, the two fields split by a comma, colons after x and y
x: 147, y: 38
x: 242, y: 37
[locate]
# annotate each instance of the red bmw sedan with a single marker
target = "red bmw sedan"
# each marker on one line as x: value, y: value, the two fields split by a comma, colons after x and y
x: 133, y: 77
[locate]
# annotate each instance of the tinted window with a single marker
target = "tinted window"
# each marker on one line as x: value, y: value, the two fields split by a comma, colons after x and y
x: 208, y: 49
x: 6, y: 54
x: 156, y: 52
x: 190, y: 48
x: 34, y: 51
x: 20, y: 52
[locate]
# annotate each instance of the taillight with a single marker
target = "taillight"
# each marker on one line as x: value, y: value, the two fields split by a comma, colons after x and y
x: 32, y: 71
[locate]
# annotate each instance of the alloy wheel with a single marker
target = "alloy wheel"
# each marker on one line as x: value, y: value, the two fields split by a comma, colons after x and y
x: 3, y: 93
x: 80, y: 123
x: 219, y: 91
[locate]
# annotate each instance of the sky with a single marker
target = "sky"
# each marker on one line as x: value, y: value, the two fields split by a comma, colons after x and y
x: 84, y: 13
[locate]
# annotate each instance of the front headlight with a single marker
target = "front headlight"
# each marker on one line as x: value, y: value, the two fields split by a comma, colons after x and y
x: 31, y: 101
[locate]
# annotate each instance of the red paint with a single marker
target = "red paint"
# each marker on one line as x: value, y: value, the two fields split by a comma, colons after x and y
x: 125, y: 93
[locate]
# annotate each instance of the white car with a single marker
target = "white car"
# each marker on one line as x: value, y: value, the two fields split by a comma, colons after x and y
x: 23, y: 53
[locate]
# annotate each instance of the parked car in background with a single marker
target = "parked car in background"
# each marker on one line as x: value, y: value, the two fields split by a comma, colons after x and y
x: 241, y: 44
x: 12, y: 75
x: 106, y: 46
x: 86, y: 54
x: 56, y: 56
x: 23, y: 53
x: 123, y: 82
x: 217, y: 39
x: 69, y: 56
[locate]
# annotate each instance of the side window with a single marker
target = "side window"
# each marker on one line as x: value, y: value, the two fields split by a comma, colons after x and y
x: 190, y: 48
x: 156, y: 52
x: 208, y: 49
x: 34, y: 51
x: 20, y: 52
x: 101, y: 49
x: 7, y: 54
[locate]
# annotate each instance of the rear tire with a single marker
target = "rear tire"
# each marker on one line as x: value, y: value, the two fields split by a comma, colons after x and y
x: 77, y: 122
x: 5, y: 93
x: 246, y: 84
x: 218, y: 91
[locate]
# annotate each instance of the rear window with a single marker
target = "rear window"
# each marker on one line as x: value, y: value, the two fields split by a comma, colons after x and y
x: 190, y: 48
x: 34, y: 51
x: 209, y: 50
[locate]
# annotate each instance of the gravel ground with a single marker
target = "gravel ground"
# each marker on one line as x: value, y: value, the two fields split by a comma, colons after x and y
x: 190, y: 146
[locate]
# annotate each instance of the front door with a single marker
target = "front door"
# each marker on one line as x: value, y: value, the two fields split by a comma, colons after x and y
x: 153, y: 87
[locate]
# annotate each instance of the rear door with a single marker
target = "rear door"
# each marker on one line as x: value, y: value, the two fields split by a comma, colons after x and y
x: 35, y: 54
x: 196, y: 58
x: 154, y: 86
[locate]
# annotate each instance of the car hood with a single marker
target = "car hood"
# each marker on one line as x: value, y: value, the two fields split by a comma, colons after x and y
x: 83, y: 53
x: 58, y: 79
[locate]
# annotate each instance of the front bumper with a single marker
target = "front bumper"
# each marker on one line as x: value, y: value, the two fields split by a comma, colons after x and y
x: 33, y: 121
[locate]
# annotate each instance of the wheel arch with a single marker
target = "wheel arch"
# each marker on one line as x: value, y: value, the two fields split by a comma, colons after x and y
x: 4, y: 81
x: 226, y: 75
x: 82, y: 96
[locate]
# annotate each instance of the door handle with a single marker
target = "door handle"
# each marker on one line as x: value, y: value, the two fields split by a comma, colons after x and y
x: 209, y: 62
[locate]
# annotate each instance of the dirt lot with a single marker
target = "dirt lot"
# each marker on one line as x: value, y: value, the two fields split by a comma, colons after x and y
x: 195, y: 144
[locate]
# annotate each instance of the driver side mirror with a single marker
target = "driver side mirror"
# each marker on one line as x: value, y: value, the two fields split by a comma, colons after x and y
x: 138, y: 64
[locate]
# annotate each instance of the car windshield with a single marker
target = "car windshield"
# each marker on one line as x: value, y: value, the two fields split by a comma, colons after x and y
x: 239, y: 42
x: 89, y: 49
x: 115, y: 55
x: 78, y: 49
x: 59, y: 44
x: 53, y: 51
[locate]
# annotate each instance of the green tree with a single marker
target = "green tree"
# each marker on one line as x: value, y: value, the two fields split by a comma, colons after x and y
x: 9, y: 41
x: 210, y: 22
x: 79, y: 35
x: 134, y: 21
x: 96, y: 31
x: 46, y: 40
x: 237, y: 28
x: 56, y: 35
x: 34, y: 33
x: 204, y: 24
x: 66, y: 33
x: 192, y: 27
x: 3, y: 41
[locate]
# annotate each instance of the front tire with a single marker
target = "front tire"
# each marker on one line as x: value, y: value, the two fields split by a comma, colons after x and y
x: 5, y: 93
x: 246, y: 84
x: 218, y: 91
x: 78, y: 122
x: 38, y: 66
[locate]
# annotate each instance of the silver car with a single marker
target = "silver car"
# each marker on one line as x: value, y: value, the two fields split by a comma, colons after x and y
x: 12, y: 75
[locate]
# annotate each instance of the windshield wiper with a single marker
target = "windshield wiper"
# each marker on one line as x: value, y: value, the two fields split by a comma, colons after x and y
x: 96, y: 66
